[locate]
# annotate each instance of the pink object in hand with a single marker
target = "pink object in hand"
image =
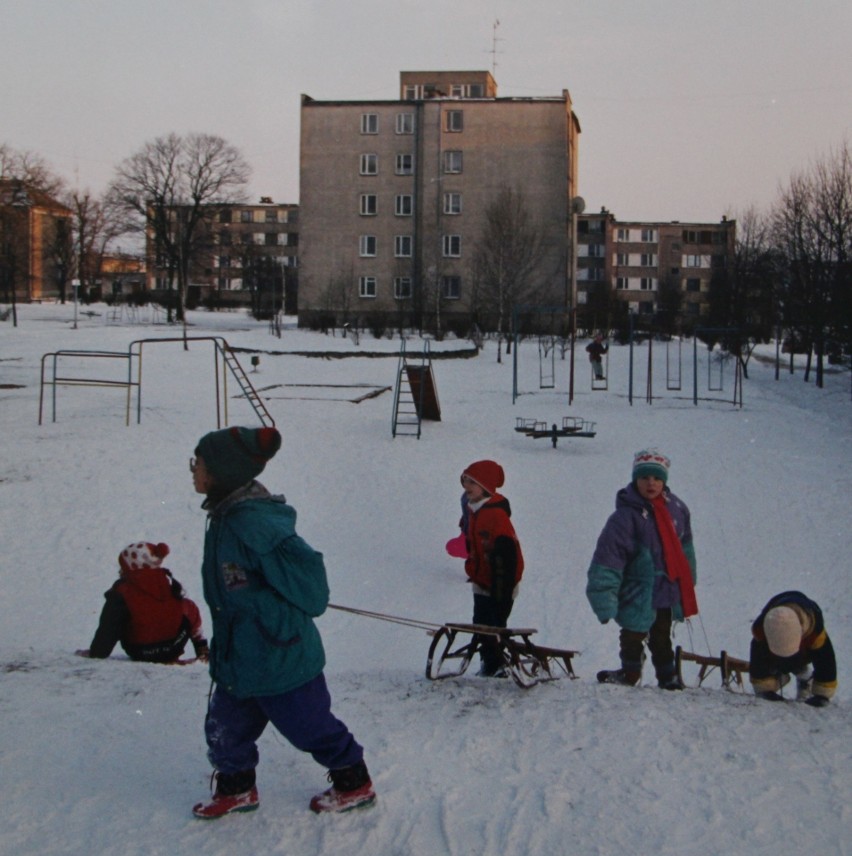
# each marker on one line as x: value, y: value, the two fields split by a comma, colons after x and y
x: 457, y: 547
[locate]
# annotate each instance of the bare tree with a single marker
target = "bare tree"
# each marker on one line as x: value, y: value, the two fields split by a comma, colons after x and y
x: 170, y: 187
x: 30, y: 169
x: 506, y: 258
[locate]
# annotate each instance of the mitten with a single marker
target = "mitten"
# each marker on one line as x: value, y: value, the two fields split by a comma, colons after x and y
x: 817, y: 701
x: 770, y: 695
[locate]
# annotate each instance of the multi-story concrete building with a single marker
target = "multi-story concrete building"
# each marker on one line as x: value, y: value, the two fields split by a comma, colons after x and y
x: 394, y: 196
x: 245, y: 252
x: 35, y: 243
x: 652, y: 267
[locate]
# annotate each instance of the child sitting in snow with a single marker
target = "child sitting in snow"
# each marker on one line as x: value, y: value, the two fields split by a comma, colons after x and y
x: 789, y: 638
x: 147, y: 611
x: 642, y: 573
x: 494, y: 563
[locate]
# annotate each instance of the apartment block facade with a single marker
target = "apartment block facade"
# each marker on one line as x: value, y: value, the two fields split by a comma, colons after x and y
x: 244, y: 250
x: 394, y: 195
x: 652, y: 267
x: 35, y: 243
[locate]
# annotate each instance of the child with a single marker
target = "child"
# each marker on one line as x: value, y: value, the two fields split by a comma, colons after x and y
x: 494, y: 563
x: 147, y: 611
x: 643, y: 571
x: 789, y: 638
x: 264, y: 586
x: 596, y: 349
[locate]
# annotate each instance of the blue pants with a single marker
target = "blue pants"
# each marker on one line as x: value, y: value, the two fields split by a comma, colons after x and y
x: 234, y: 725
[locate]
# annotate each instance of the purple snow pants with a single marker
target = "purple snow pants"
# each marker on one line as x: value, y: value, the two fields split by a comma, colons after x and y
x: 303, y: 716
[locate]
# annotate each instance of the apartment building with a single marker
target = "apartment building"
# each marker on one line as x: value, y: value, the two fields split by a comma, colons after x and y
x: 394, y: 195
x: 652, y: 267
x: 35, y: 243
x: 245, y: 251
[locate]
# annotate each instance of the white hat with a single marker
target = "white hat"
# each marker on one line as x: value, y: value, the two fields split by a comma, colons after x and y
x: 783, y: 631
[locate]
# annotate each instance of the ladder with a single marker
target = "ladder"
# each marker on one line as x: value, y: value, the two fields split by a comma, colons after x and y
x: 415, y: 397
x: 245, y: 384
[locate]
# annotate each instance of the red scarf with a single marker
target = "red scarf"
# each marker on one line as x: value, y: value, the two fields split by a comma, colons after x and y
x: 677, y: 565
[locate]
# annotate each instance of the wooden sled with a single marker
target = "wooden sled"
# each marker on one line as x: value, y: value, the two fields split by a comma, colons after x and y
x: 731, y: 669
x: 527, y: 663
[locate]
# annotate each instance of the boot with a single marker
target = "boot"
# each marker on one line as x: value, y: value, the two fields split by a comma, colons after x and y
x: 350, y: 788
x: 619, y: 676
x: 235, y: 792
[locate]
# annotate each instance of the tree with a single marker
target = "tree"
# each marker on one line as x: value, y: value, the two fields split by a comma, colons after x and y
x: 169, y: 189
x: 506, y: 258
x: 96, y: 224
x: 742, y: 294
x: 30, y: 169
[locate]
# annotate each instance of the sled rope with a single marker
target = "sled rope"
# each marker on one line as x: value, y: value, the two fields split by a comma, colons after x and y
x: 393, y: 619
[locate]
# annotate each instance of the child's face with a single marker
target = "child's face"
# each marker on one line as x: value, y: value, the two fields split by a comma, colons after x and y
x: 649, y: 487
x: 202, y: 481
x: 472, y: 490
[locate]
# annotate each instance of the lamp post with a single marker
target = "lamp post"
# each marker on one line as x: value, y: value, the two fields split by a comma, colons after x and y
x: 578, y: 206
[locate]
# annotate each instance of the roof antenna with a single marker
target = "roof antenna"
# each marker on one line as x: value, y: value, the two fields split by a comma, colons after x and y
x: 494, y: 50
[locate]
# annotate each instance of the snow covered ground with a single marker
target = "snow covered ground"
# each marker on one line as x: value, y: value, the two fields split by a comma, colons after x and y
x: 107, y: 757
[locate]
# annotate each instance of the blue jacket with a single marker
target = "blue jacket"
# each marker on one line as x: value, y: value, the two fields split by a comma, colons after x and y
x: 627, y: 577
x: 264, y: 586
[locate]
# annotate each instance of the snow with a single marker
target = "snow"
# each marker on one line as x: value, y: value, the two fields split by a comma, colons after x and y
x: 109, y: 756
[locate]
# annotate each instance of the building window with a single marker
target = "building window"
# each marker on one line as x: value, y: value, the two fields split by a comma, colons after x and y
x: 594, y: 250
x: 452, y: 161
x: 271, y: 239
x: 245, y: 216
x: 413, y: 93
x: 369, y: 164
x: 225, y: 238
x: 369, y: 123
x: 271, y: 215
x: 454, y: 121
x: 693, y: 284
x: 452, y: 246
x: 622, y: 259
x: 622, y: 283
x: 405, y: 164
x: 369, y: 204
x: 404, y: 206
x: 367, y: 245
x: 402, y: 287
x: 225, y: 215
x: 452, y: 203
x: 259, y: 238
x: 693, y: 261
x: 649, y: 236
x: 405, y: 123
x: 648, y: 260
x: 648, y: 283
x: 366, y: 286
x: 402, y: 246
x: 451, y: 287
x: 622, y: 235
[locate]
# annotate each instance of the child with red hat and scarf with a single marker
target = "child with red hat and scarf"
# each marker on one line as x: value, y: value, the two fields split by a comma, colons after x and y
x: 642, y: 573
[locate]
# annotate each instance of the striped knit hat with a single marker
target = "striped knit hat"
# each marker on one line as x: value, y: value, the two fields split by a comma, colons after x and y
x: 234, y: 456
x: 651, y: 462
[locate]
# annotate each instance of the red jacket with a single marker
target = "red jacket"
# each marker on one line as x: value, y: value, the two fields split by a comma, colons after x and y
x: 494, y: 562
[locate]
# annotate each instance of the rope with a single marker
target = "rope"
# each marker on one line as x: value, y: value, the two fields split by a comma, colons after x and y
x: 393, y: 619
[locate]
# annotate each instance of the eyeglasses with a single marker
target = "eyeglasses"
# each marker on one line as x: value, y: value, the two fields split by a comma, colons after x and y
x: 193, y: 463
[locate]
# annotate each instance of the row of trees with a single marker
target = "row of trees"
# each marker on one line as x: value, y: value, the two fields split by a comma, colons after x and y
x: 164, y: 190
x: 792, y: 268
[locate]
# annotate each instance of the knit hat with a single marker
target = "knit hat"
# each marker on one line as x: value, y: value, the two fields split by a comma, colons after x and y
x: 234, y: 456
x: 487, y: 474
x: 142, y: 554
x: 783, y: 631
x: 651, y: 462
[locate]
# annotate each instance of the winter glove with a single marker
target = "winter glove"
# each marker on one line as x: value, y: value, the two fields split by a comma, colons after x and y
x: 817, y: 701
x: 770, y: 695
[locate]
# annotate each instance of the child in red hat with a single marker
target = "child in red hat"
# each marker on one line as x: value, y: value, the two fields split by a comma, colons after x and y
x: 494, y: 563
x: 147, y: 611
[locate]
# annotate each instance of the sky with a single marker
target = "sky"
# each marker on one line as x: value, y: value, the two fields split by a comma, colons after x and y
x: 689, y: 110
x: 108, y: 757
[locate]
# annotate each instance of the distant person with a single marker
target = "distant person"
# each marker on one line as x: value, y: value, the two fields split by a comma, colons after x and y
x: 642, y: 572
x: 265, y: 586
x: 147, y: 611
x: 789, y: 638
x: 494, y: 563
x: 596, y: 349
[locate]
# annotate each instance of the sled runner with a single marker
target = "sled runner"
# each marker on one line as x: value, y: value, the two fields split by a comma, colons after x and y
x: 730, y: 668
x: 527, y: 663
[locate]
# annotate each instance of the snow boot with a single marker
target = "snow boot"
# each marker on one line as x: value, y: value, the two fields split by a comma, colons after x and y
x: 619, y: 676
x: 351, y: 788
x: 673, y: 682
x: 235, y: 792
